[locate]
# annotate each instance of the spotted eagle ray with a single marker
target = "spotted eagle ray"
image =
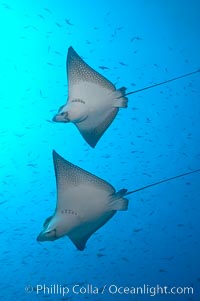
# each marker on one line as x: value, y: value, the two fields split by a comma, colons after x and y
x: 93, y: 101
x: 85, y: 203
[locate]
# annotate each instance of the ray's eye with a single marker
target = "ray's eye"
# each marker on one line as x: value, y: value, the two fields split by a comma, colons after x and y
x: 51, y: 232
x: 65, y: 114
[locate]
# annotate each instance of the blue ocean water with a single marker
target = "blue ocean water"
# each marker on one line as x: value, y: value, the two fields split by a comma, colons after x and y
x: 156, y: 242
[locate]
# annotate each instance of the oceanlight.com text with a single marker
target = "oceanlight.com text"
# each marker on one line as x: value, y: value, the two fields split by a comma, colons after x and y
x: 111, y: 289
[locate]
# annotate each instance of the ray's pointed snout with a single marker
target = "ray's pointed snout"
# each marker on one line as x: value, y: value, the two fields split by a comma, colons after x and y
x: 61, y: 117
x: 40, y: 237
x: 54, y: 118
x: 47, y: 235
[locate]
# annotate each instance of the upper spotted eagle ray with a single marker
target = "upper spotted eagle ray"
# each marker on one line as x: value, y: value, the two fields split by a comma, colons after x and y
x: 93, y: 101
x: 84, y: 203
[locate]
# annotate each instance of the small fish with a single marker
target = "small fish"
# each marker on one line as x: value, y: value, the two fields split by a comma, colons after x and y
x: 41, y: 17
x: 125, y: 259
x: 57, y: 52
x: 48, y: 10
x: 32, y: 165
x: 100, y: 255
x: 5, y: 5
x: 68, y: 22
x: 31, y: 27
x: 19, y: 135
x: 135, y: 38
x: 137, y: 230
x: 123, y: 64
x: 58, y: 24
x: 104, y: 68
x: 3, y: 202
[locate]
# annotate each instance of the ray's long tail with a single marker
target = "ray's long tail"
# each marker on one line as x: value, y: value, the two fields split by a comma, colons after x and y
x: 163, y: 181
x: 162, y: 83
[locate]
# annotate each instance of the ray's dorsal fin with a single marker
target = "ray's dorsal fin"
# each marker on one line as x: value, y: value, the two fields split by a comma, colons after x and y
x: 162, y: 83
x: 163, y: 181
x: 81, y: 234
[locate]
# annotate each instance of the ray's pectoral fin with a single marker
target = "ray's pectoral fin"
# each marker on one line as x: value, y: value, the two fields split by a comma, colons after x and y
x: 92, y: 128
x: 80, y: 235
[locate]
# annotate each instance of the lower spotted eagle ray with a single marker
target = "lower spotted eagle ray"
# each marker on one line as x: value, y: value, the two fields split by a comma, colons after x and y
x: 93, y: 101
x: 85, y: 203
